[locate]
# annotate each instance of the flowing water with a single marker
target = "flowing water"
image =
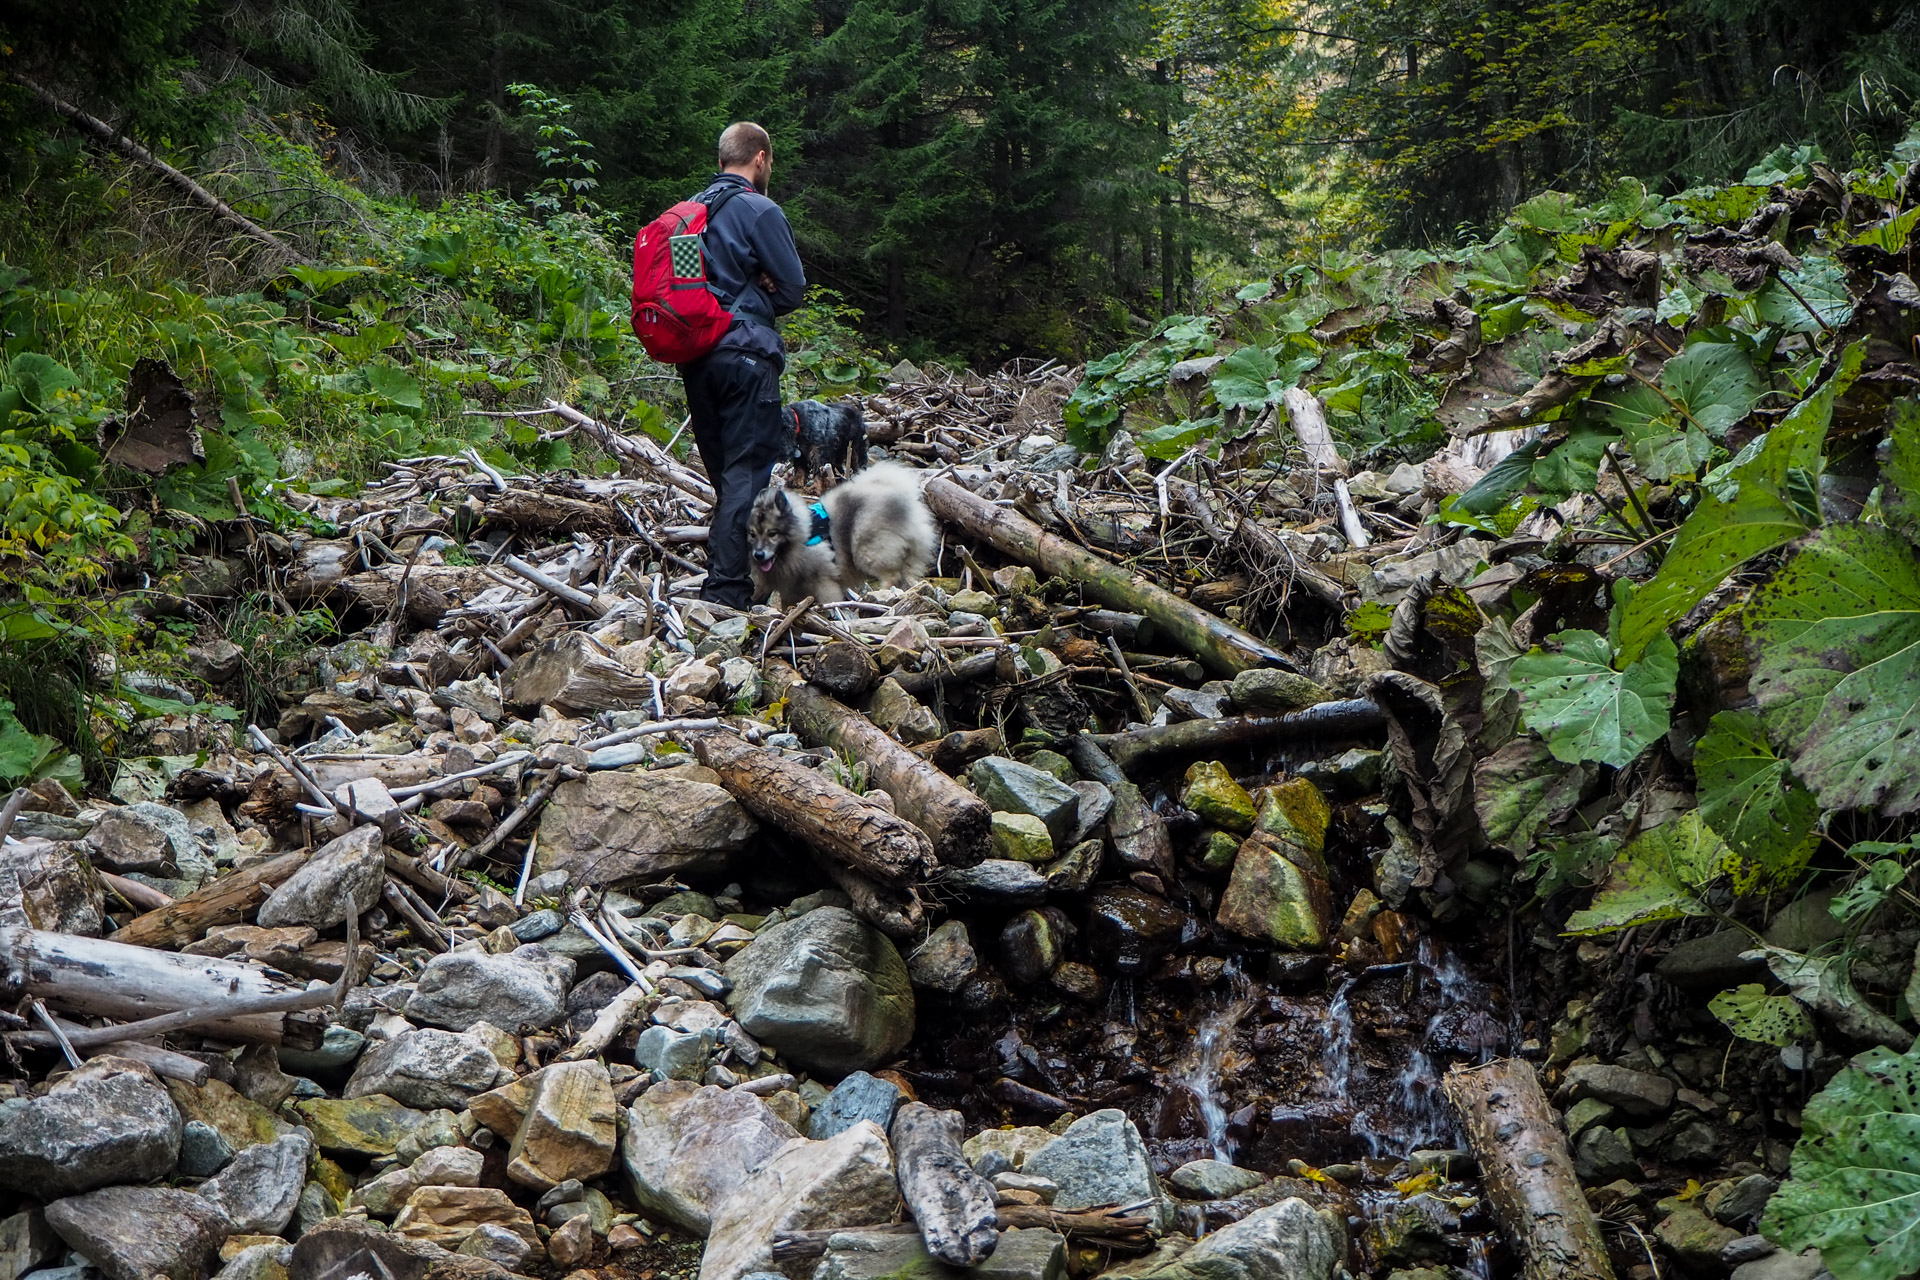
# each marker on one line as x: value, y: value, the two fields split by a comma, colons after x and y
x: 1203, y: 1075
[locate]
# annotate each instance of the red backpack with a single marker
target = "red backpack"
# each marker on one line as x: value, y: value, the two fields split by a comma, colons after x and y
x: 675, y: 315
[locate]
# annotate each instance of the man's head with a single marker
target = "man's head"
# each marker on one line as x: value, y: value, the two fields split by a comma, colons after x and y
x: 746, y: 150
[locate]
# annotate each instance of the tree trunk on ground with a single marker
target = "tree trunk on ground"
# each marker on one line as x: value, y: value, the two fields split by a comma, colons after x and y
x: 894, y: 912
x: 1218, y: 643
x: 1352, y: 718
x: 228, y: 900
x: 828, y: 817
x: 952, y: 1203
x: 956, y: 820
x: 1513, y: 1132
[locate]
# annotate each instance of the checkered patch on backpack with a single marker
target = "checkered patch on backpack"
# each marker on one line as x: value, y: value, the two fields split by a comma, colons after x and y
x: 686, y: 258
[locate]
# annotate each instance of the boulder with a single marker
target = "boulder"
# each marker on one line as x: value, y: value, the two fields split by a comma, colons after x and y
x: 1213, y: 1180
x: 890, y: 1255
x: 255, y: 1262
x: 1279, y: 893
x: 1128, y: 929
x: 108, y: 1121
x: 1289, y: 1239
x: 1211, y: 792
x: 139, y: 837
x: 826, y: 990
x: 846, y: 1181
x: 1602, y: 1155
x: 674, y: 1055
x: 1030, y: 946
x: 1695, y: 1239
x: 687, y: 1148
x: 138, y: 1233
x: 1639, y: 1094
x: 946, y: 961
x: 261, y: 1185
x: 446, y: 1216
x: 615, y: 827
x: 858, y: 1097
x: 1020, y: 837
x: 570, y: 1127
x: 1011, y: 787
x: 995, y: 1151
x: 342, y: 878
x: 998, y: 882
x: 46, y: 884
x: 523, y: 990
x: 345, y: 1247
x: 900, y: 713
x: 1266, y: 691
x: 572, y: 674
x: 1100, y: 1159
x: 371, y: 1126
x: 26, y: 1242
x: 426, y: 1068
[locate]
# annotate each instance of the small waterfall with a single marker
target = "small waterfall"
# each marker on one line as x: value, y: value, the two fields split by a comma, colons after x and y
x: 1203, y: 1074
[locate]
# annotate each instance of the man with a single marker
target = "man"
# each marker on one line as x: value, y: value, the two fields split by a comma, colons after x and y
x: 733, y: 392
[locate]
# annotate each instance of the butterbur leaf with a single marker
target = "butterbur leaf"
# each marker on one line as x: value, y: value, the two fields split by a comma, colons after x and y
x: 1574, y: 465
x: 1258, y: 291
x: 1711, y: 385
x: 1836, y: 635
x: 393, y: 386
x: 1586, y: 710
x: 1519, y: 788
x: 1750, y: 1013
x: 1900, y: 498
x: 1854, y: 1192
x: 1819, y: 284
x: 1168, y: 442
x: 1860, y: 898
x: 1750, y: 797
x: 1240, y: 380
x: 1823, y: 984
x: 1660, y: 876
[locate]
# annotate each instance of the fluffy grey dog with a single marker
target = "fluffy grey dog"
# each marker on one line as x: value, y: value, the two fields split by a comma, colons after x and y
x: 872, y: 528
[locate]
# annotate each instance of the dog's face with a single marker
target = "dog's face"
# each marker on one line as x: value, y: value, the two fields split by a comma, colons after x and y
x: 769, y: 527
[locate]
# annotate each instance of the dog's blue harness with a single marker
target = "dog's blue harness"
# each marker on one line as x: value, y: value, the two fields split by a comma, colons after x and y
x: 822, y: 527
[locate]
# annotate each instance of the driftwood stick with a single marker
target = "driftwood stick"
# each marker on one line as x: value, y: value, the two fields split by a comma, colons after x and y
x: 608, y: 1023
x: 957, y: 821
x: 1512, y: 1130
x: 428, y: 934
x: 828, y: 817
x: 227, y: 900
x: 952, y: 1203
x: 164, y: 1062
x: 1308, y: 418
x: 896, y: 912
x: 15, y: 803
x: 637, y: 448
x: 182, y: 1019
x: 506, y: 761
x: 1221, y: 645
x: 133, y: 893
x: 554, y: 587
x: 296, y: 771
x: 411, y: 868
x: 1349, y: 515
x: 923, y: 684
x: 512, y: 822
x: 1351, y: 718
x: 59, y: 1036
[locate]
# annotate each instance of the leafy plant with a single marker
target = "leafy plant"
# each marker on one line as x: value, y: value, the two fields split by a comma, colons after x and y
x: 1750, y: 1013
x: 1750, y: 797
x: 1663, y: 875
x: 1587, y: 710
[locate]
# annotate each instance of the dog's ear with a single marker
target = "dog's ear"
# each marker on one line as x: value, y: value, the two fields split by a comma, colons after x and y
x: 780, y: 500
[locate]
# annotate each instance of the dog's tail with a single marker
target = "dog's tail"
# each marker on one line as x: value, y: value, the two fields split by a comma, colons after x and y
x: 858, y: 451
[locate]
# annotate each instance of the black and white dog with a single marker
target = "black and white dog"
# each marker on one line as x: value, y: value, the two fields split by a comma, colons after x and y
x: 828, y: 435
x: 872, y: 528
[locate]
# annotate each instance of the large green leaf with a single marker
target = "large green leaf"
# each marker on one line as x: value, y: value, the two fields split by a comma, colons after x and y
x: 1574, y: 464
x: 1900, y: 499
x: 1808, y: 300
x: 1750, y: 1013
x: 1660, y: 876
x: 1855, y: 1189
x: 1240, y: 380
x: 393, y: 386
x: 1585, y: 709
x: 1519, y: 788
x: 1763, y: 512
x: 1752, y: 800
x: 1836, y: 636
x: 1711, y: 384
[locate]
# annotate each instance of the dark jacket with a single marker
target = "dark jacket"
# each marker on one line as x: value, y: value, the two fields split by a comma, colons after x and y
x: 750, y: 236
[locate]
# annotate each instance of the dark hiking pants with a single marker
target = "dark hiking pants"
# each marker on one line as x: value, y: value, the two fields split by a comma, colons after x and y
x: 734, y: 399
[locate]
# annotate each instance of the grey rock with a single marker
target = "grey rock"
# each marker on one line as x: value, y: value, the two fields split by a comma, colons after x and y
x: 1264, y: 690
x: 1603, y: 1155
x: 108, y: 1121
x: 886, y: 1255
x: 540, y: 924
x: 621, y: 828
x: 674, y: 1055
x: 149, y: 838
x: 1213, y: 1180
x: 1100, y: 1159
x: 1011, y: 787
x: 426, y: 1068
x: 137, y: 1233
x: 708, y: 982
x: 1696, y: 1142
x: 1096, y: 802
x: 688, y: 1147
x: 47, y: 885
x: 1640, y: 1094
x: 1740, y: 1202
x: 339, y: 1046
x: 204, y: 1150
x: 524, y: 989
x: 1355, y: 772
x: 687, y: 902
x: 1196, y: 704
x: 1712, y: 963
x: 1288, y: 1239
x: 946, y: 961
x: 342, y: 878
x: 856, y: 1098
x: 260, y: 1187
x: 256, y: 1262
x: 826, y: 990
x: 998, y: 882
x: 1806, y: 922
x: 1747, y: 1249
x: 316, y: 1206
x: 26, y: 1242
x: 846, y: 1181
x: 497, y: 1244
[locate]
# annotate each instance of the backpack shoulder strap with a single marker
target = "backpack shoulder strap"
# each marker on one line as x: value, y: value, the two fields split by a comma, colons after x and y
x: 719, y: 200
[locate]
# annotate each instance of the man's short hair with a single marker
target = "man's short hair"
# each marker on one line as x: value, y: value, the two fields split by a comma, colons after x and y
x: 741, y: 141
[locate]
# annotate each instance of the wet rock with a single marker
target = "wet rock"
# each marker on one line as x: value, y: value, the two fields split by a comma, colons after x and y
x: 1640, y: 1094
x: 1286, y: 1239
x: 946, y: 961
x: 688, y: 1147
x: 26, y: 1242
x: 846, y: 1181
x: 1081, y: 982
x: 1807, y: 922
x: 46, y: 885
x: 1011, y: 787
x: 1021, y: 837
x: 828, y: 991
x: 1602, y: 1155
x: 342, y: 878
x: 1128, y: 930
x: 998, y: 882
x: 1211, y: 792
x: 1074, y: 871
x: 1407, y: 1231
x: 370, y: 1126
x: 1212, y: 1180
x: 1277, y: 895
x: 1741, y: 1201
x: 1355, y: 772
x: 1140, y: 838
x: 427, y: 1068
x: 1030, y: 946
x: 1264, y: 691
x: 1100, y: 1159
x: 523, y: 990
x: 108, y: 1121
x: 1782, y: 1266
x: 1096, y: 802
x: 613, y: 828
x: 1694, y: 1239
x: 1398, y: 865
x: 886, y: 1255
x: 138, y: 1233
x: 261, y: 1185
x: 446, y: 1216
x: 856, y: 1098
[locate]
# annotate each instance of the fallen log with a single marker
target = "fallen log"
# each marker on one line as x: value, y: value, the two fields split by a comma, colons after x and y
x: 1350, y: 718
x: 924, y: 684
x: 1512, y: 1130
x: 1218, y: 643
x: 228, y: 900
x: 114, y: 980
x: 895, y: 912
x: 828, y: 817
x: 952, y: 1203
x: 957, y: 821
